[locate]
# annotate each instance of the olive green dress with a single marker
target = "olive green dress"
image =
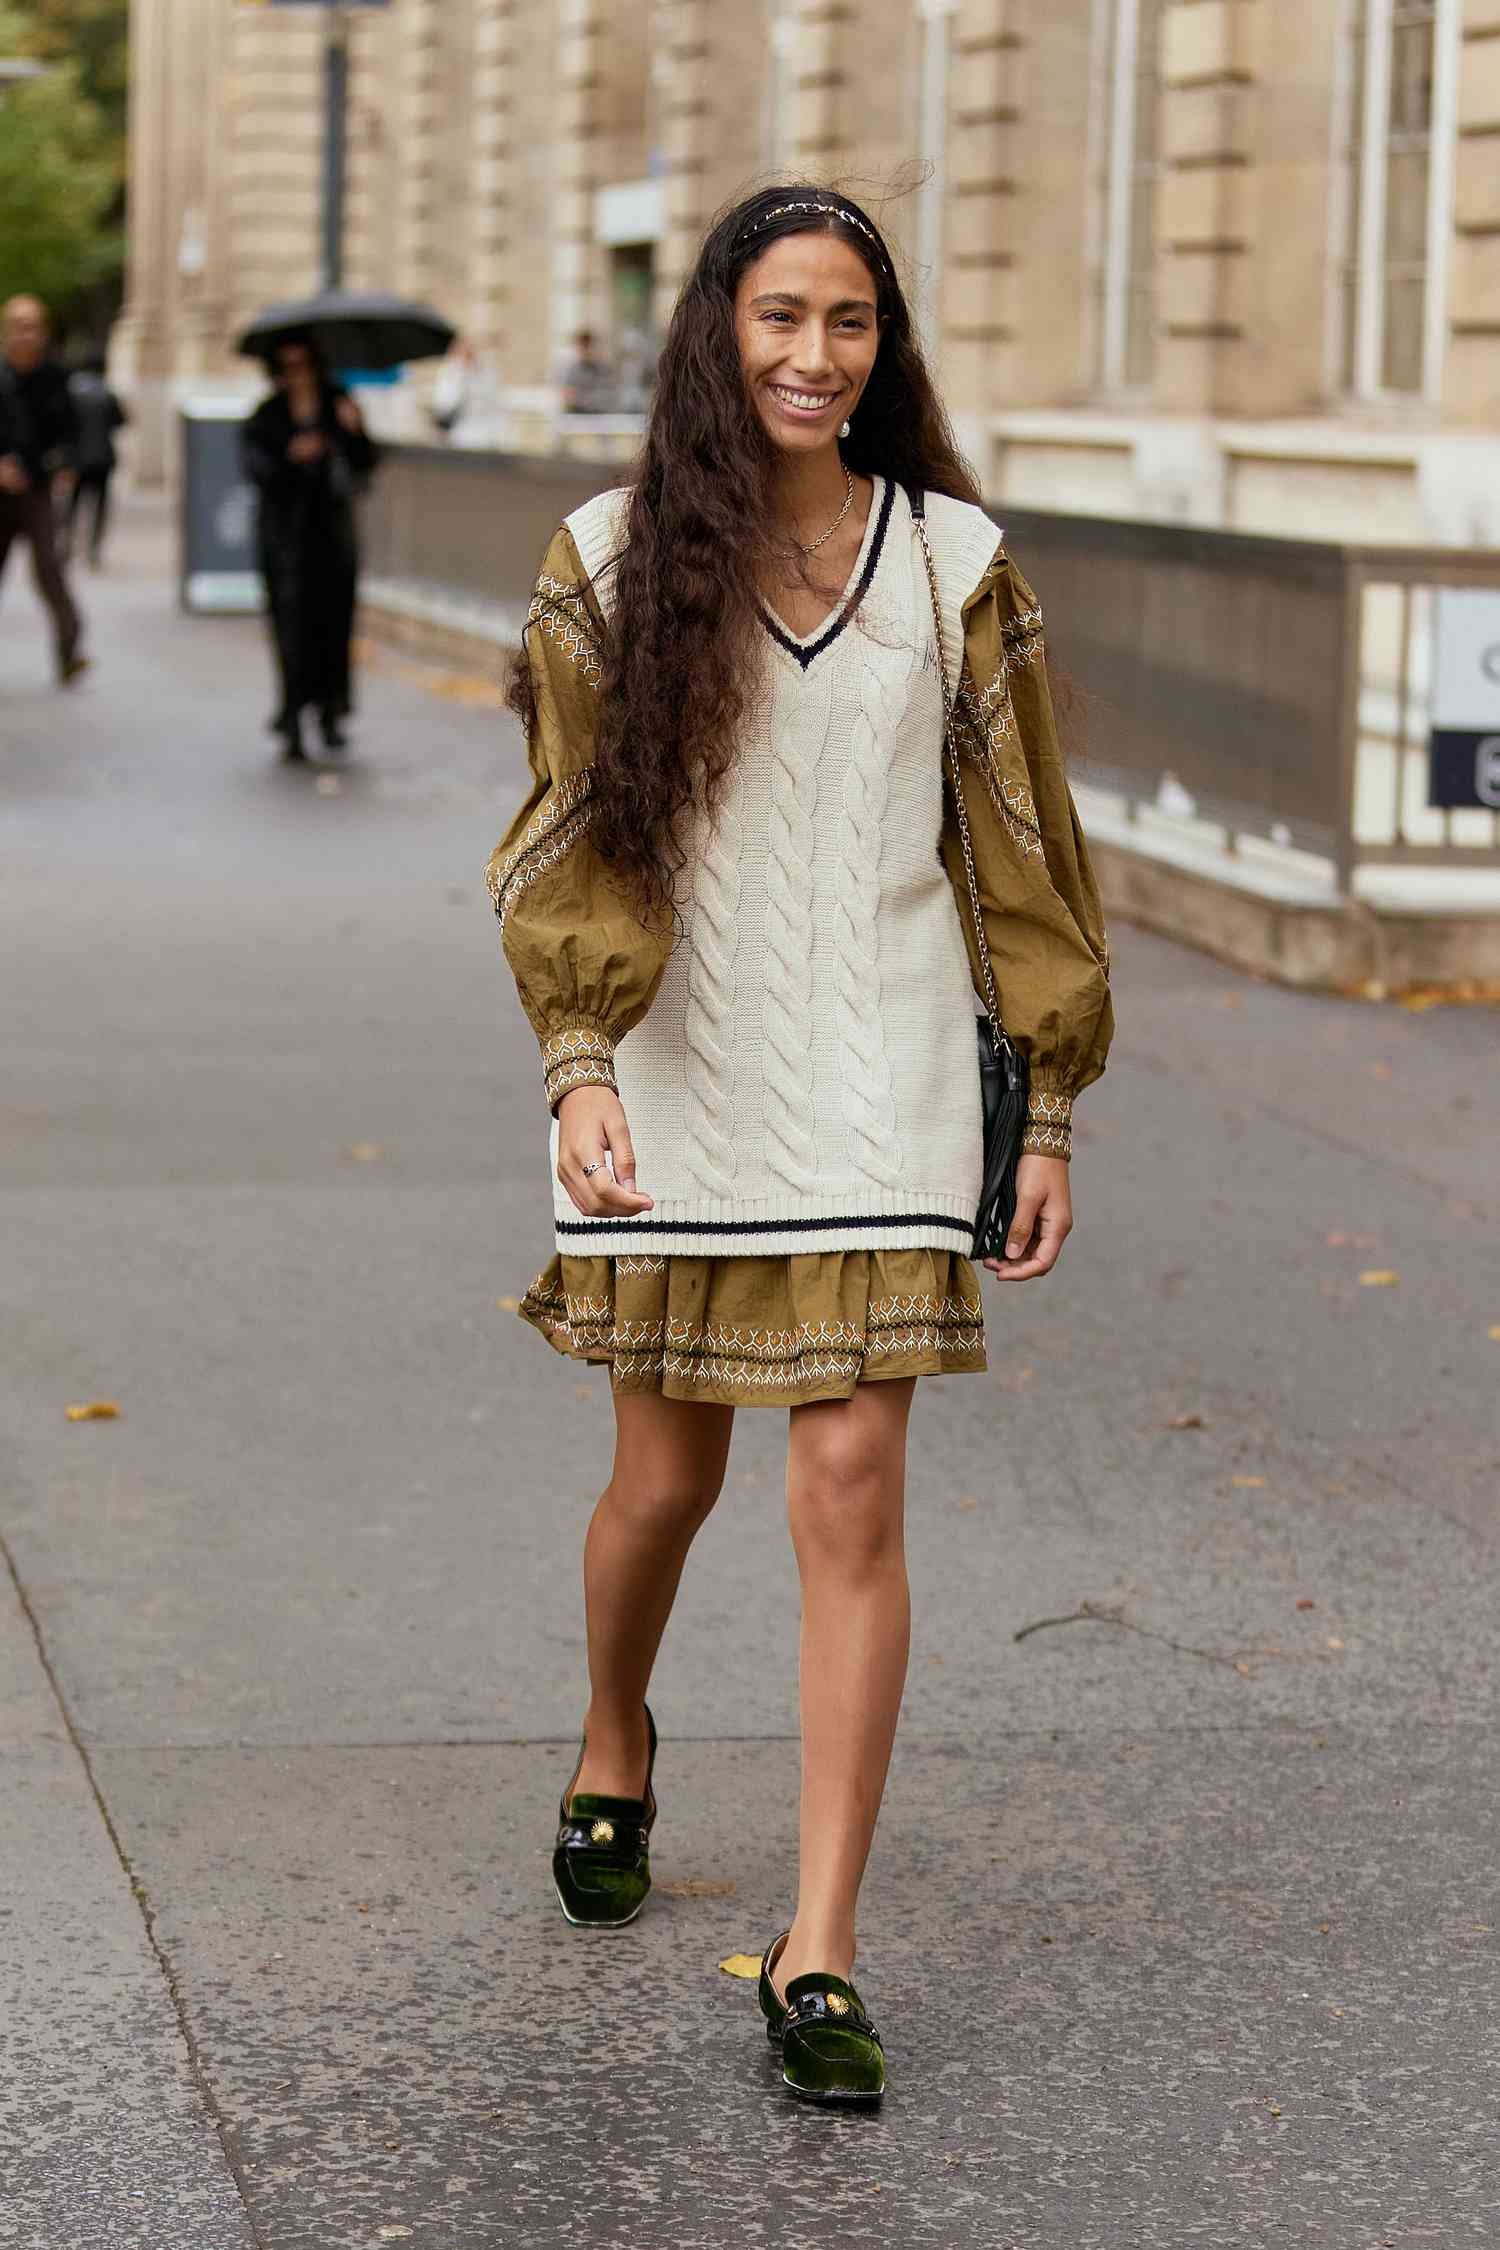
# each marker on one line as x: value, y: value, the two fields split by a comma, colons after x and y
x: 748, y: 1330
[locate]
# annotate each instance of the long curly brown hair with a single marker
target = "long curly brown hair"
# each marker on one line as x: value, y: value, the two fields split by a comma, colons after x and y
x: 679, y: 657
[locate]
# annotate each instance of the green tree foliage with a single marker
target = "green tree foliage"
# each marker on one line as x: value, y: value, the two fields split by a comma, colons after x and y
x: 62, y: 157
x: 94, y: 34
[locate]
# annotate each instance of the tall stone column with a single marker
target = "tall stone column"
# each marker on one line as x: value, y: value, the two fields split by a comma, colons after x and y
x: 272, y: 148
x: 680, y: 55
x: 1206, y: 201
x: 819, y: 78
x: 419, y: 122
x: 977, y: 285
x: 1471, y: 374
x: 139, y: 345
x: 494, y: 123
x: 374, y: 78
x: 573, y: 254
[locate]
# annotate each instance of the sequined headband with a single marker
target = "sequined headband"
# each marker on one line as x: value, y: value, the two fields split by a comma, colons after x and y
x: 823, y: 211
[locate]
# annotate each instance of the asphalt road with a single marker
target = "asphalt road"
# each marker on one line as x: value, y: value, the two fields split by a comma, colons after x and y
x: 1181, y: 1924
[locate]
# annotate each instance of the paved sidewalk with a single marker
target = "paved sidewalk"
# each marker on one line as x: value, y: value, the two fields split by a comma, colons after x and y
x: 1181, y: 1922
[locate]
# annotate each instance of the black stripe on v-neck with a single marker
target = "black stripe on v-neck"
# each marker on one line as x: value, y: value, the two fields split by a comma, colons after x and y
x: 805, y: 652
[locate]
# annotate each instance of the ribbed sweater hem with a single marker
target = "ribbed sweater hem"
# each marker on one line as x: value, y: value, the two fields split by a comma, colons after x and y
x: 776, y: 1226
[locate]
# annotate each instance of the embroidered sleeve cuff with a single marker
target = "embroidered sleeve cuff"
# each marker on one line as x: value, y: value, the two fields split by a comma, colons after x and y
x: 1049, y: 1124
x: 582, y: 1055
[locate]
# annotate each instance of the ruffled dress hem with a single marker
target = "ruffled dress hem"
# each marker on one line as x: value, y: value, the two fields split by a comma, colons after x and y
x: 763, y: 1331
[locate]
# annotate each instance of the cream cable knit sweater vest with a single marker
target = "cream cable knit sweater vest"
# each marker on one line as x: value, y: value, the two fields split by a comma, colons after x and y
x: 805, y: 1079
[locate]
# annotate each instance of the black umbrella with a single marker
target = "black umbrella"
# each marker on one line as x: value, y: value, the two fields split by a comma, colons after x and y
x: 352, y: 328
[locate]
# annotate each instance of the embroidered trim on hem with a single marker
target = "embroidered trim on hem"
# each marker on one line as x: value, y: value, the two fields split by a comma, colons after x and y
x: 551, y: 832
x: 561, y: 612
x: 1022, y: 639
x: 1047, y: 1140
x: 577, y: 1057
x: 641, y: 1352
x: 1049, y: 1123
x: 991, y: 724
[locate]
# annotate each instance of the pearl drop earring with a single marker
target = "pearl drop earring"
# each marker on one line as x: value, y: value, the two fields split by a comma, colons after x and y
x: 844, y: 432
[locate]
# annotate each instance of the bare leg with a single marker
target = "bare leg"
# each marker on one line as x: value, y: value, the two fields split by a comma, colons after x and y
x: 846, y: 1490
x: 669, y: 1465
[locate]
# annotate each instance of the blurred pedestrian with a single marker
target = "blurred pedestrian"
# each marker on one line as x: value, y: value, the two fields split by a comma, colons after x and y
x: 450, y: 388
x: 38, y: 430
x: 307, y: 452
x: 796, y: 801
x: 465, y: 403
x: 588, y: 380
x: 98, y: 414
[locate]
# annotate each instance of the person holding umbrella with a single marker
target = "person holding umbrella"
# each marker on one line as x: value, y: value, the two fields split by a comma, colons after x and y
x: 306, y: 450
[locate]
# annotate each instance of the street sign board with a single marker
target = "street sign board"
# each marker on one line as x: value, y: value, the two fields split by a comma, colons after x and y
x: 218, y: 568
x: 1464, y: 737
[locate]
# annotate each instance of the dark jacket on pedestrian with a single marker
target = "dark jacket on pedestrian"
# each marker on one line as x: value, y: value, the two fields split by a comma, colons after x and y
x: 308, y: 549
x: 38, y: 420
x: 98, y: 414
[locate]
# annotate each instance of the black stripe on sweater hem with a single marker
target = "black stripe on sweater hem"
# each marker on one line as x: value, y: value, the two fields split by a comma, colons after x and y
x: 766, y: 1226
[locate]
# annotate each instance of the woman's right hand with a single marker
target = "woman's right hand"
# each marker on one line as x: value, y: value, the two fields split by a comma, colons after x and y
x: 591, y: 1129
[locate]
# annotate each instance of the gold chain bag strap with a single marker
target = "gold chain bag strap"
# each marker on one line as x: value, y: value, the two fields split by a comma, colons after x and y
x: 1003, y: 1078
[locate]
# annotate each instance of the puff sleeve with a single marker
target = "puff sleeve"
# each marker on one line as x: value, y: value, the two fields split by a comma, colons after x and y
x: 1040, y: 902
x: 586, y: 959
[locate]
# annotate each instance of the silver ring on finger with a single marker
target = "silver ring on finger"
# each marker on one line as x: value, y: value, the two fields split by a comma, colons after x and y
x: 590, y: 1169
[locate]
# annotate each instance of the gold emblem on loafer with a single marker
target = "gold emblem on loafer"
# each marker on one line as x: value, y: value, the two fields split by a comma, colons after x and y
x: 602, y: 1832
x: 836, y: 2003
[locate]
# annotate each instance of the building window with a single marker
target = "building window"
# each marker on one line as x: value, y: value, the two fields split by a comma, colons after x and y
x: 1400, y: 97
x: 1127, y: 83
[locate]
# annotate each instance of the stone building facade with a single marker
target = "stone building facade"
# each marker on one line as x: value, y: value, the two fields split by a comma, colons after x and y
x: 1224, y: 260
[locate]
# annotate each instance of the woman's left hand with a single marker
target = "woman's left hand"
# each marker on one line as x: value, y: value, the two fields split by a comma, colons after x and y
x: 1043, y: 1220
x: 349, y: 416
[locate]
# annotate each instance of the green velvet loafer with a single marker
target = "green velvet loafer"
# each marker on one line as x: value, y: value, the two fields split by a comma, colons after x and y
x: 601, y: 1863
x: 830, y: 2050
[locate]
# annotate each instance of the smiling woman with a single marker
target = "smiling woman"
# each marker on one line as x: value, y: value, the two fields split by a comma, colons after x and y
x: 734, y: 904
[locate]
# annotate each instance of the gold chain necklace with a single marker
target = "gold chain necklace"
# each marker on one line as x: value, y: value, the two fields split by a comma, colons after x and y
x: 811, y: 548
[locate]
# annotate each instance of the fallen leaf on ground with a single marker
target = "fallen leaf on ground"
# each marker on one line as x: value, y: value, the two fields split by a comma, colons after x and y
x: 1379, y: 1069
x: 97, y: 1410
x: 698, y: 1886
x: 364, y: 1152
x: 741, y: 1965
x: 1304, y: 1601
x: 1378, y: 1277
x: 1493, y: 1332
x: 508, y: 1304
x: 1464, y: 992
x: 1334, y: 1642
x: 968, y: 1501
x: 1184, y: 1422
x: 1250, y: 1483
